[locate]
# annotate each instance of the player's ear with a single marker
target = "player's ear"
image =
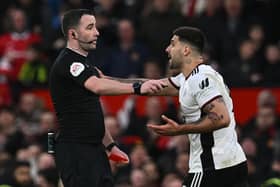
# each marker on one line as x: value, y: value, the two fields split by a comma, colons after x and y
x: 187, y: 50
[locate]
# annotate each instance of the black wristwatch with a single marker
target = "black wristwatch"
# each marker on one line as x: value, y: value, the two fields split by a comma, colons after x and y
x: 137, y: 87
x: 110, y: 146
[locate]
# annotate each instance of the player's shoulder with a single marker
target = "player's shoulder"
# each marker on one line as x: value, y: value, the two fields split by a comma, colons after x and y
x: 201, y: 76
x: 201, y: 71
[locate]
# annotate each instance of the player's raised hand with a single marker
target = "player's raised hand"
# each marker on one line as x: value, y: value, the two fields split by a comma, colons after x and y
x: 152, y: 86
x: 171, y: 128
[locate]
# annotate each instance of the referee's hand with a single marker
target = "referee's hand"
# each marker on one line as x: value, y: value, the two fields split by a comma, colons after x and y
x: 118, y: 156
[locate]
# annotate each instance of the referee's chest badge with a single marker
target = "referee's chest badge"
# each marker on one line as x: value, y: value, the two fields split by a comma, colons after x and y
x: 76, y: 68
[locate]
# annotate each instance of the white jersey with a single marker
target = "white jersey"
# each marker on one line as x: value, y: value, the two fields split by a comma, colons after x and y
x: 218, y: 149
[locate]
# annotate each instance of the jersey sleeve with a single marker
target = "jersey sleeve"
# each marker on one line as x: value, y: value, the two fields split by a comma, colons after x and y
x: 80, y: 72
x: 205, y: 89
x: 177, y: 81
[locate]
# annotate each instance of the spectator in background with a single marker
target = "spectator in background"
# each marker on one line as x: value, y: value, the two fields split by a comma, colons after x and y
x: 266, y: 98
x: 182, y: 164
x: 262, y: 129
x: 108, y: 14
x: 152, y: 69
x: 34, y: 72
x: 45, y: 161
x: 137, y: 125
x: 32, y: 8
x: 251, y: 151
x: 47, y: 178
x: 127, y: 58
x: 234, y: 26
x: 14, y: 43
x: 157, y: 26
x: 153, y: 175
x: 174, y: 146
x: 257, y: 36
x: 274, y: 177
x: 138, y: 178
x: 11, y: 138
x: 272, y: 66
x: 171, y: 180
x: 28, y: 114
x: 46, y: 124
x: 20, y: 175
x: 112, y: 124
x: 244, y: 70
x: 132, y: 10
x: 210, y: 16
x: 138, y: 157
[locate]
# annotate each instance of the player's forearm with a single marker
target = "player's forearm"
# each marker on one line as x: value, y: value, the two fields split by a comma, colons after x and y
x: 207, y: 124
x: 203, y: 126
x: 217, y: 117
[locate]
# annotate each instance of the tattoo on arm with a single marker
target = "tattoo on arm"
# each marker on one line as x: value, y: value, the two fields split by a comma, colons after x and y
x: 213, y: 116
x: 220, y: 100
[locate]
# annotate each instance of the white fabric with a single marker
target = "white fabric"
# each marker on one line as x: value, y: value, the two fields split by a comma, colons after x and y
x: 193, y: 94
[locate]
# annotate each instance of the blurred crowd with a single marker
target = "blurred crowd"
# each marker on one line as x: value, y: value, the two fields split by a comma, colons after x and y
x: 243, y: 45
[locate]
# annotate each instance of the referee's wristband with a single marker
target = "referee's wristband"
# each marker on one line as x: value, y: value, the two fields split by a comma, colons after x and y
x: 110, y: 146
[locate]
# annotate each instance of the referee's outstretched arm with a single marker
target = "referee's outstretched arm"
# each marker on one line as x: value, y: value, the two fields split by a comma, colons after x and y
x: 102, y: 86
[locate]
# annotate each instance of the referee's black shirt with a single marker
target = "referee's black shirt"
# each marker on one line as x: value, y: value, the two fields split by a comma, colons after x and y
x: 78, y: 110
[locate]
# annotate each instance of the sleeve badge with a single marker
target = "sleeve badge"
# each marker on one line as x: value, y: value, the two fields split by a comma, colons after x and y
x: 76, y: 68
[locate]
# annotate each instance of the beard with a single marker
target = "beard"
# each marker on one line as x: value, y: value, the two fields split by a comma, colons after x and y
x: 173, y: 64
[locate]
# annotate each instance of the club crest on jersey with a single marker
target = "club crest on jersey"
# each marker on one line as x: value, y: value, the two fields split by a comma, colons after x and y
x: 76, y: 68
x: 204, y: 83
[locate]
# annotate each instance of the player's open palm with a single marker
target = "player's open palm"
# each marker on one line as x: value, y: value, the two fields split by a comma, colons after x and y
x: 171, y: 128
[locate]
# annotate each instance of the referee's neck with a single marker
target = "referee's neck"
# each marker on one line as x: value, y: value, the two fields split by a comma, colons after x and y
x: 77, y: 50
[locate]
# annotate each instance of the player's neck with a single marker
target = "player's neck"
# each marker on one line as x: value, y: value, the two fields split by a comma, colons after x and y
x: 76, y: 49
x: 188, y: 67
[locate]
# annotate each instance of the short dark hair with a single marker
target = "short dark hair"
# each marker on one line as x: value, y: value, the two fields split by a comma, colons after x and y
x: 192, y: 35
x: 72, y: 19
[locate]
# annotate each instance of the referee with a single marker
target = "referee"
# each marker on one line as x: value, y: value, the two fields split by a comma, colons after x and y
x: 75, y: 87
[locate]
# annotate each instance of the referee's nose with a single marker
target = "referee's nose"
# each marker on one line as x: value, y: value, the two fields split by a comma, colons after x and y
x: 96, y: 32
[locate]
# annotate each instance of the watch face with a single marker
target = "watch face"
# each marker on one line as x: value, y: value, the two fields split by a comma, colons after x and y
x: 136, y: 85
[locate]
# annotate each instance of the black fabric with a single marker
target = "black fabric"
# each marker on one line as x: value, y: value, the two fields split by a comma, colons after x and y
x: 78, y: 110
x: 83, y: 165
x: 207, y: 142
x: 235, y: 176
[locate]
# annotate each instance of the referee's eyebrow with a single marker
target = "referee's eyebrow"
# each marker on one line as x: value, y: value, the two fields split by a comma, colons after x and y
x: 90, y: 25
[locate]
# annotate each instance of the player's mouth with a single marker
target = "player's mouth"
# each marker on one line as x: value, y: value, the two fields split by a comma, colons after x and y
x: 169, y: 57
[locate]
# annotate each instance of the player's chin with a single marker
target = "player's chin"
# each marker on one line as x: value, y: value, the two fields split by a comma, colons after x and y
x: 170, y: 63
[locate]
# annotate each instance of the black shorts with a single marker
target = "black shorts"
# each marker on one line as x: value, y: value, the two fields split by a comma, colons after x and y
x: 83, y: 165
x: 235, y: 176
